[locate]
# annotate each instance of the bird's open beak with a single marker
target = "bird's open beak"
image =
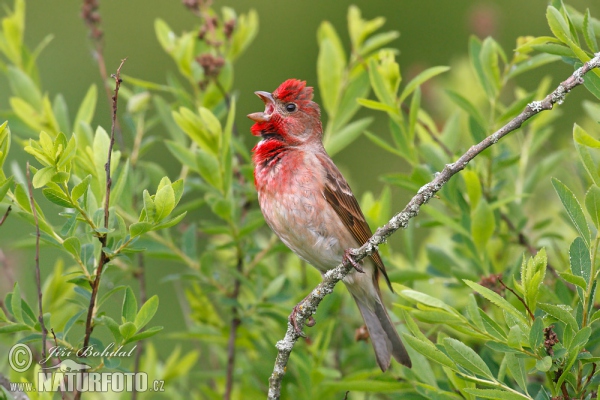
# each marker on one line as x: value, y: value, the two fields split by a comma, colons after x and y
x: 267, y: 98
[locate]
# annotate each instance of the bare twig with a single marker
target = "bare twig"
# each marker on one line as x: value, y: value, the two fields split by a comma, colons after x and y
x: 518, y: 297
x: 307, y: 307
x: 140, y: 274
x: 62, y: 393
x: 5, y: 215
x: 91, y: 17
x: 104, y: 259
x: 38, y: 279
x: 235, y: 323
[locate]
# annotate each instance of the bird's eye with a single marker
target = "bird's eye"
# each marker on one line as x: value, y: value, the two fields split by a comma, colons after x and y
x: 290, y: 107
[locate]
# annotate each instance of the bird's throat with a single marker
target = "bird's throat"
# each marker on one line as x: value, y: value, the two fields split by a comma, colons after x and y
x: 269, y: 151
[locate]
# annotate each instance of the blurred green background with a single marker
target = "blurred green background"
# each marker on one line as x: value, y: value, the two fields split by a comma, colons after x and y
x: 432, y: 33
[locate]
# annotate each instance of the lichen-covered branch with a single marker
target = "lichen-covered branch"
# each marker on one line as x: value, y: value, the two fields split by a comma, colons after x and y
x: 307, y: 307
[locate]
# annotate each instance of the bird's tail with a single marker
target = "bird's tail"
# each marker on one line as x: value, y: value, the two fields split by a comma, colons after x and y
x: 384, y: 336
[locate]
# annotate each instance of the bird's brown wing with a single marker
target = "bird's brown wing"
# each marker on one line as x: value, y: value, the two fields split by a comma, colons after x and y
x: 339, y: 195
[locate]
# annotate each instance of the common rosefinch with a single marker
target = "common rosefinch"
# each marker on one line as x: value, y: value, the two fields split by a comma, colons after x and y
x: 308, y: 204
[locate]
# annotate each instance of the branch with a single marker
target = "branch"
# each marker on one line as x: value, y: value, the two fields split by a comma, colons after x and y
x: 38, y: 280
x: 5, y: 215
x: 104, y: 259
x: 307, y: 307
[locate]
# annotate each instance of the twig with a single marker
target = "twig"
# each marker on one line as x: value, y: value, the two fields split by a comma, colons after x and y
x: 307, y: 307
x: 518, y: 297
x: 62, y: 393
x: 89, y: 327
x: 235, y: 323
x: 91, y: 17
x: 38, y: 279
x: 141, y: 277
x: 5, y: 215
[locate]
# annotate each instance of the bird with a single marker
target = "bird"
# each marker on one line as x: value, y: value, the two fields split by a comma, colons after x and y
x: 307, y: 202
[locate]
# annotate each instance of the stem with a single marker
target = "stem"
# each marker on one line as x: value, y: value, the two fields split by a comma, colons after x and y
x: 104, y: 259
x: 38, y: 279
x: 307, y: 307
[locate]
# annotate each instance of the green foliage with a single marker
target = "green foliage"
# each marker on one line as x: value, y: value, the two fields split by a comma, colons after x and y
x: 481, y: 319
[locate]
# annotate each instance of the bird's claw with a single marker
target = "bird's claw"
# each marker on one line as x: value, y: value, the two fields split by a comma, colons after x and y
x: 348, y: 257
x: 310, y: 321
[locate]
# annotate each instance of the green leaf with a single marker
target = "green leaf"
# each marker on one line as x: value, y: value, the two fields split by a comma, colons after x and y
x: 467, y: 106
x: 208, y: 167
x: 149, y: 206
x: 561, y: 313
x: 531, y: 63
x: 164, y: 201
x: 473, y: 311
x: 43, y: 176
x: 495, y: 394
x: 17, y: 311
x: 129, y: 309
x: 170, y: 222
x: 139, y: 228
x: 57, y: 197
x: 592, y: 204
x: 475, y: 46
x: 573, y: 279
x: 473, y: 187
x: 331, y: 63
x: 544, y: 364
x: 120, y: 185
x: 379, y: 85
x: 573, y: 208
x: 146, y: 312
x: 483, y: 225
x: 24, y: 87
x: 558, y: 25
x: 579, y: 258
x: 80, y: 189
x: 580, y: 339
x: 588, y: 32
x: 516, y: 366
x: 376, y: 105
x: 536, y: 334
x: 145, y: 334
x: 184, y: 155
x: 588, y: 162
x: 496, y: 299
x: 582, y: 137
x: 429, y: 350
x: 420, y: 79
x: 85, y: 114
x: 382, y: 143
x: 467, y: 358
x: 489, y: 63
x: 72, y: 245
x: 428, y: 300
x: 12, y: 328
x: 127, y: 330
x: 5, y: 186
x: 339, y: 140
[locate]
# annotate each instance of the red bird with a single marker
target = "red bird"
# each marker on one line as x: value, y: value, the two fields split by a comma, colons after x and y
x: 308, y: 204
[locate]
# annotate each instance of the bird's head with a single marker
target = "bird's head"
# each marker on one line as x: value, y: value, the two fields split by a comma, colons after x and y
x: 290, y: 114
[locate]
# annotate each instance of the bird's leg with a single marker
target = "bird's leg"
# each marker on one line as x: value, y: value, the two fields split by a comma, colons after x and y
x: 348, y: 257
x: 310, y: 321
